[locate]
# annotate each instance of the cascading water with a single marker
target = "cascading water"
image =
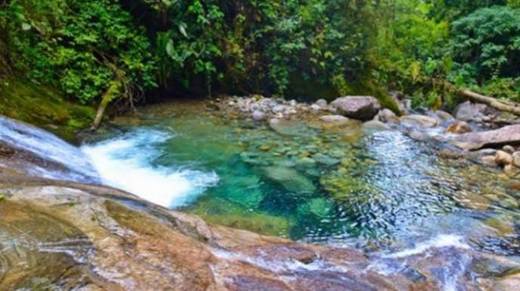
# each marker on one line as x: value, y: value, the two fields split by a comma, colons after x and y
x: 126, y: 162
x: 73, y: 164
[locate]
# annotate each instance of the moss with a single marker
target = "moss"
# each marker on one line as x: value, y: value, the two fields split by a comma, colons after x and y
x: 43, y: 107
x: 226, y: 213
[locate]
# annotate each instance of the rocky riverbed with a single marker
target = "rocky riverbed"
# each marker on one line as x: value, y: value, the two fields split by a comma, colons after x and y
x: 478, y: 132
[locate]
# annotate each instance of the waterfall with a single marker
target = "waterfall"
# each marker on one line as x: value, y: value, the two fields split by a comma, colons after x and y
x: 128, y: 162
x: 69, y: 162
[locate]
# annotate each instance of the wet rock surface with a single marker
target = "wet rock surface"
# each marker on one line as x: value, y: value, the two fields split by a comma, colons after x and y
x: 68, y: 235
x: 475, y: 140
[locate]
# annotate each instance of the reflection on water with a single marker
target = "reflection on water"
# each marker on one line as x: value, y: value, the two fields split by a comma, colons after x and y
x: 308, y: 181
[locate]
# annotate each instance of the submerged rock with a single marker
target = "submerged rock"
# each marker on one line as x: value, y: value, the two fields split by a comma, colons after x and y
x: 318, y: 207
x: 290, y: 179
x: 337, y: 119
x: 357, y: 107
x: 289, y: 127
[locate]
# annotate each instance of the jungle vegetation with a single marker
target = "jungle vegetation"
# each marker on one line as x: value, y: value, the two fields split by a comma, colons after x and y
x: 120, y: 51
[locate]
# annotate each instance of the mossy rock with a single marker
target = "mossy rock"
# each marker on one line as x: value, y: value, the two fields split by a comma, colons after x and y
x: 44, y: 107
x: 318, y: 207
x: 223, y: 212
x: 343, y: 186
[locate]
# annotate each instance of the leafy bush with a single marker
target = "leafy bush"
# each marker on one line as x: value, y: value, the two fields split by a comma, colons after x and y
x: 263, y: 46
x: 79, y: 46
x: 486, y: 44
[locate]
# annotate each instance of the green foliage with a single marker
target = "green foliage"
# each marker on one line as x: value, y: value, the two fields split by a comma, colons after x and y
x: 299, y: 48
x: 504, y: 88
x: 409, y: 45
x: 263, y: 46
x: 78, y: 46
x: 486, y: 44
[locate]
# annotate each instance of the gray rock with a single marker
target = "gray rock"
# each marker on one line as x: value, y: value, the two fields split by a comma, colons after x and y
x: 315, y: 107
x: 469, y: 111
x: 388, y: 116
x: 443, y: 115
x: 516, y: 159
x: 334, y: 119
x: 279, y: 108
x: 416, y: 120
x: 258, y: 115
x: 375, y: 125
x: 357, y: 107
x: 508, y: 149
x: 321, y: 103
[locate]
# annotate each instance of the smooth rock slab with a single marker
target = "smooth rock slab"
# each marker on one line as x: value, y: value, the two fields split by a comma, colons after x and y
x: 334, y: 119
x: 498, y: 137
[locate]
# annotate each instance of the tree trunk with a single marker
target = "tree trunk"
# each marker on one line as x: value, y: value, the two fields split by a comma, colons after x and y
x: 112, y: 92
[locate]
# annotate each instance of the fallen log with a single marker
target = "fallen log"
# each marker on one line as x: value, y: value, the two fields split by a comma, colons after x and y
x: 506, y: 106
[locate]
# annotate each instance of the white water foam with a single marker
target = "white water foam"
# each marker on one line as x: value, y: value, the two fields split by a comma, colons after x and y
x: 125, y: 162
x: 440, y: 241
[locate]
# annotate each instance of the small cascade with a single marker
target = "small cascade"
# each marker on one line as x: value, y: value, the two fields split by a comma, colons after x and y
x: 69, y: 162
x: 127, y: 162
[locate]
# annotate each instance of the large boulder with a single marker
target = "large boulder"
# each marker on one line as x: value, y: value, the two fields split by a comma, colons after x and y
x: 476, y: 140
x: 357, y: 107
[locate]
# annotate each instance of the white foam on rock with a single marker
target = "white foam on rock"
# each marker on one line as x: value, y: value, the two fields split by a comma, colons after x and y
x: 440, y: 241
x: 48, y: 147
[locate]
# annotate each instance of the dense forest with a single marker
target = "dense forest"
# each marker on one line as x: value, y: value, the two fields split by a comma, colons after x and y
x: 105, y: 50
